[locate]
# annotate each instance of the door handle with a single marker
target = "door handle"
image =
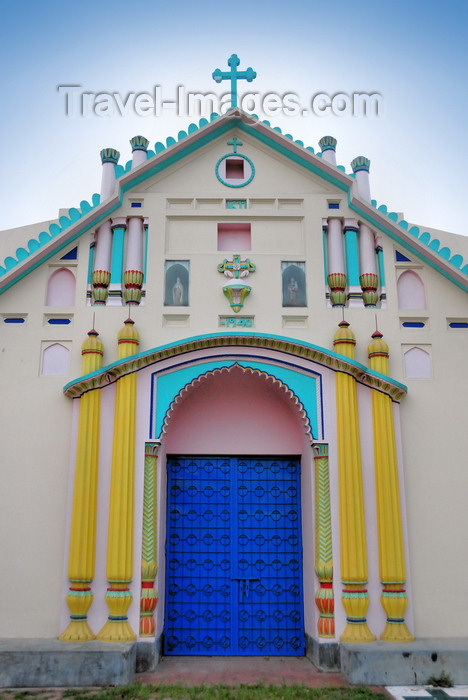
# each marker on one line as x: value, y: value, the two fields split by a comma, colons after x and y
x: 244, y: 587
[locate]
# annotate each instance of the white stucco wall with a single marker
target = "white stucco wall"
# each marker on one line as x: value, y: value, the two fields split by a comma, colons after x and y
x: 285, y: 209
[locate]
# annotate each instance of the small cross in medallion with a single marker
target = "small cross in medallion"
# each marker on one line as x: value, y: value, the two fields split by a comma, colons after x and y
x: 234, y: 143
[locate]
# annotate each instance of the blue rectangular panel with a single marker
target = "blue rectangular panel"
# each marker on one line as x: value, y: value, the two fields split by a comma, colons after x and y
x: 234, y: 557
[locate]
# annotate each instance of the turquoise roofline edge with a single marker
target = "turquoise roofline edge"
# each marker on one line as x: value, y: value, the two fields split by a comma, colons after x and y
x: 404, y: 243
x: 341, y: 180
x: 110, y: 374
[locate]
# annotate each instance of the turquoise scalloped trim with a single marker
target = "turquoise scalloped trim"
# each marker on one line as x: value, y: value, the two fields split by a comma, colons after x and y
x: 425, y: 238
x: 457, y: 261
x: 44, y: 237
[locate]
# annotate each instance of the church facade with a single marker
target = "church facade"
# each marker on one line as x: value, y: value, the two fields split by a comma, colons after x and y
x: 233, y: 415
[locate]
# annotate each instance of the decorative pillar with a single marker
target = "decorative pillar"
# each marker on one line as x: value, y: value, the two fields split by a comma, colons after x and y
x: 121, y: 507
x: 109, y: 159
x: 133, y: 274
x: 368, y: 263
x: 139, y: 146
x: 149, y: 548
x: 101, y: 276
x: 360, y: 166
x: 82, y: 554
x: 118, y: 226
x: 350, y: 229
x: 353, y: 557
x: 390, y: 530
x: 324, y: 597
x: 328, y: 147
x: 381, y: 266
x: 336, y: 263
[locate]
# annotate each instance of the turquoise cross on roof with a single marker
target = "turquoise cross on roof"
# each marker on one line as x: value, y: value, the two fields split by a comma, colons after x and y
x: 234, y: 75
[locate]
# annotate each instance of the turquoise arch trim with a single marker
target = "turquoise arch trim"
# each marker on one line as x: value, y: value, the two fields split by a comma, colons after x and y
x: 168, y: 386
x: 226, y: 344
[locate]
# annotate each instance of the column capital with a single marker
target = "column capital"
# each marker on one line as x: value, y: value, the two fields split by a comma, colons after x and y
x: 119, y: 222
x: 352, y: 224
x: 360, y: 163
x: 139, y: 143
x: 152, y: 448
x: 320, y: 449
x: 328, y: 143
x: 110, y: 155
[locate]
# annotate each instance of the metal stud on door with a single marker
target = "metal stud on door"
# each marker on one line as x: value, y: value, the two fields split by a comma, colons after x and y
x: 233, y: 557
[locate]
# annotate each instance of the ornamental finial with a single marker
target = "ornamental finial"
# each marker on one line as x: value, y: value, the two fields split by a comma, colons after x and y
x: 360, y: 163
x: 234, y: 75
x: 139, y: 143
x: 328, y: 143
x: 109, y: 155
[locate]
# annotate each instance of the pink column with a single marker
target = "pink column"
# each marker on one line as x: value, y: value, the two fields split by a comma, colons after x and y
x: 109, y: 159
x: 328, y: 148
x: 360, y: 166
x: 336, y: 262
x: 133, y: 271
x: 368, y: 278
x: 139, y: 150
x: 102, y: 263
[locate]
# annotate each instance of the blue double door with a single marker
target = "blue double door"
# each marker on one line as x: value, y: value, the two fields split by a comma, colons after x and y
x: 234, y: 557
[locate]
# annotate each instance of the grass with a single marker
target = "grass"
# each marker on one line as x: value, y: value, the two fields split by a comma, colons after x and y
x: 137, y: 691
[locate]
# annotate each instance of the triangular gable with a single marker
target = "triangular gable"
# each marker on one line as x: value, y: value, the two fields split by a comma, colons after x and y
x: 69, y: 228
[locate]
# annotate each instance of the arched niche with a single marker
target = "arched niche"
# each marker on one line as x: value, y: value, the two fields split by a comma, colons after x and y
x: 236, y: 411
x: 417, y: 363
x: 294, y: 284
x: 55, y: 359
x: 411, y: 292
x: 176, y: 291
x: 61, y: 288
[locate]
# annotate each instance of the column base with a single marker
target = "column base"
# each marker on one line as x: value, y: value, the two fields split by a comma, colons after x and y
x: 396, y: 632
x: 357, y: 632
x: 394, y: 602
x: 77, y: 631
x: 116, y: 631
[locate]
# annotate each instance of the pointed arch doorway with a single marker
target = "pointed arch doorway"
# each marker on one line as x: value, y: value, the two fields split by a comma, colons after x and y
x: 234, y: 582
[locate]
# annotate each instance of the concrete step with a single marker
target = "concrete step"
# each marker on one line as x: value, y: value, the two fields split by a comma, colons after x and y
x: 40, y: 663
x: 413, y: 663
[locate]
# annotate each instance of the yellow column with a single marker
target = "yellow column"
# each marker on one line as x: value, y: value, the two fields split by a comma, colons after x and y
x: 149, y: 547
x: 353, y: 557
x: 120, y: 535
x: 391, y: 549
x: 324, y: 598
x: 83, y: 526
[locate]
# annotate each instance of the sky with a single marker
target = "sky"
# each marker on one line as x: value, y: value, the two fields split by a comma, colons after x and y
x: 413, y: 53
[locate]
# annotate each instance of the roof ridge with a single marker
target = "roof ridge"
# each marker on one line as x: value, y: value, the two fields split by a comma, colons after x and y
x: 75, y: 214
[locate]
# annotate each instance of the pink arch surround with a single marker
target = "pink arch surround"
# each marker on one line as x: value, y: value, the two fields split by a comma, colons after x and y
x: 237, y: 410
